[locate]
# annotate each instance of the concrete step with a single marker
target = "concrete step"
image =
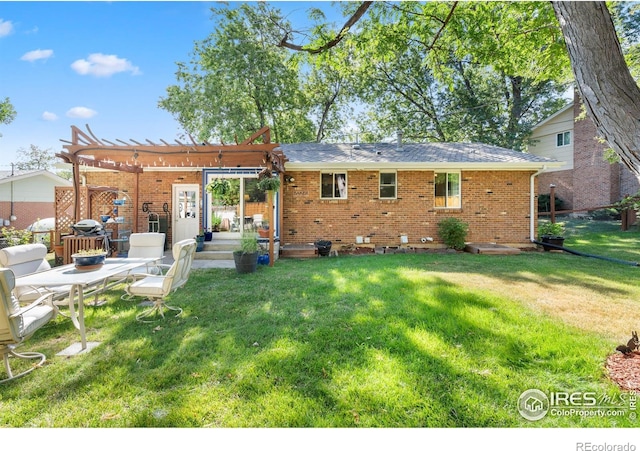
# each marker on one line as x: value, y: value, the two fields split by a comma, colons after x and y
x: 221, y: 245
x: 213, y: 255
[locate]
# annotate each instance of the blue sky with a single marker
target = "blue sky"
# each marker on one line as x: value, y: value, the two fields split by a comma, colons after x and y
x: 100, y: 63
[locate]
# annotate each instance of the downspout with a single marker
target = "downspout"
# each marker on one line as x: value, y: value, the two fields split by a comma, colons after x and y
x: 12, y: 216
x: 532, y: 204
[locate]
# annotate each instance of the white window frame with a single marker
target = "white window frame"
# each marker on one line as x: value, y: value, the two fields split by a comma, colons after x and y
x: 448, y: 195
x: 333, y: 191
x: 565, y: 137
x: 394, y: 185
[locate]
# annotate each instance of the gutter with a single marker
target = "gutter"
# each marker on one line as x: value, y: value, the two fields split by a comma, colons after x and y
x: 532, y: 204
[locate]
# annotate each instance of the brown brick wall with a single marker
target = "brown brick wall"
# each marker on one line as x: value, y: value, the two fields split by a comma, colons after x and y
x: 563, y: 180
x: 596, y: 182
x: 154, y: 189
x: 629, y: 183
x: 26, y: 212
x: 494, y: 204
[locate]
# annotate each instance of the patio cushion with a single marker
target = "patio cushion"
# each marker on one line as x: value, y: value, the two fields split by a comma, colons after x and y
x: 25, y: 258
x: 149, y: 286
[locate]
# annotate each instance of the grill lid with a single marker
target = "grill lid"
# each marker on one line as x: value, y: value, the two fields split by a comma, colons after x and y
x: 87, y: 226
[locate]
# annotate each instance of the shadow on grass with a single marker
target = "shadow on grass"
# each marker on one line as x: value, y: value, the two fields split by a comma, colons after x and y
x: 327, y: 343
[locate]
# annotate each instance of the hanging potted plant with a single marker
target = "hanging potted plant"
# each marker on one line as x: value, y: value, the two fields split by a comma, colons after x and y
x: 269, y: 184
x: 246, y: 257
x: 225, y: 192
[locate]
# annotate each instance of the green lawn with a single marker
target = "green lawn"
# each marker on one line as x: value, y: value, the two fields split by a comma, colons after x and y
x: 405, y: 340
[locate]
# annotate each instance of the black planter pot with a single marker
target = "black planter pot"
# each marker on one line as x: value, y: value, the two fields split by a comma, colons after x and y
x: 324, y: 247
x: 245, y: 262
x: 555, y: 240
x: 199, y: 243
x: 208, y: 236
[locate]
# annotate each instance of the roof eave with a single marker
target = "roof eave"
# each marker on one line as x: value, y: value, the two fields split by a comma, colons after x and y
x: 42, y: 172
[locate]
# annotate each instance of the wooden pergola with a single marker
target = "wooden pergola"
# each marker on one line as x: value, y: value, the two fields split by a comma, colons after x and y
x: 132, y: 156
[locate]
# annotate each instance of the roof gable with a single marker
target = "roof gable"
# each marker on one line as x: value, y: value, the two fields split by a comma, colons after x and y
x: 553, y: 116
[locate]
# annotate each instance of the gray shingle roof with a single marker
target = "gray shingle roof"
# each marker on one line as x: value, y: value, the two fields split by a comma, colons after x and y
x: 16, y: 173
x: 418, y: 153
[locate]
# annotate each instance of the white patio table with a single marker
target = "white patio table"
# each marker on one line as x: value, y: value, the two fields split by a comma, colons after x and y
x: 81, y: 281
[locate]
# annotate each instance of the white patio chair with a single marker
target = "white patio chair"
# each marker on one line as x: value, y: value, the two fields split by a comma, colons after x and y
x: 147, y: 245
x: 157, y: 288
x: 18, y: 323
x: 26, y: 259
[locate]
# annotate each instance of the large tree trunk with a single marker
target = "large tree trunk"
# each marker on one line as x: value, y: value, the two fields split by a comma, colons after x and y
x: 609, y: 92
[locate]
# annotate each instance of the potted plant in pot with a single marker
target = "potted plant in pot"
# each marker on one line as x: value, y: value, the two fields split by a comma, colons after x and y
x: 246, y: 257
x: 89, y: 259
x: 216, y: 220
x: 263, y: 231
x: 551, y: 233
x: 200, y: 241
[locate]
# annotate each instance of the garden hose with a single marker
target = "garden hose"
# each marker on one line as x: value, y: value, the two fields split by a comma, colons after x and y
x: 614, y: 260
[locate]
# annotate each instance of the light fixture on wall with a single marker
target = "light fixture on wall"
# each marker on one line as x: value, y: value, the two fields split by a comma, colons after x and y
x: 290, y: 179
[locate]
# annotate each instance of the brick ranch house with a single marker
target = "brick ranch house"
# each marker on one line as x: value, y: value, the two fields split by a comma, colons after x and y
x: 585, y: 181
x: 388, y: 194
x: 392, y: 191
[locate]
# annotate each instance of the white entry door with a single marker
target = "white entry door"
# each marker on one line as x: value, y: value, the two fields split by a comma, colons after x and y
x: 186, y: 212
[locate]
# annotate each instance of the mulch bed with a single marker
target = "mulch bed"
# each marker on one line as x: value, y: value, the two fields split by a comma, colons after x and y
x: 624, y: 370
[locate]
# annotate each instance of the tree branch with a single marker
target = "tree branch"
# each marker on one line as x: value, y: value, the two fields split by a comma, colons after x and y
x: 333, y: 42
x: 444, y: 24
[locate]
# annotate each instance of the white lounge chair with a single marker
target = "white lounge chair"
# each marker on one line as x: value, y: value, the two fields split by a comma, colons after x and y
x: 18, y: 323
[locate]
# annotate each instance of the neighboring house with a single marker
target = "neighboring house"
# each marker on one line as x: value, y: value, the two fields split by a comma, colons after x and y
x: 26, y: 196
x: 586, y: 181
x: 387, y: 193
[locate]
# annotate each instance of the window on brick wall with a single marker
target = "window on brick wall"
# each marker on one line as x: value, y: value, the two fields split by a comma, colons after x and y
x: 387, y: 185
x: 563, y: 139
x: 447, y: 190
x: 333, y: 185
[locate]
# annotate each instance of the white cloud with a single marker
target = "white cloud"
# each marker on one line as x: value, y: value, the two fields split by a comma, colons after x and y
x: 100, y: 65
x: 6, y: 28
x: 35, y: 55
x: 50, y: 117
x: 81, y: 112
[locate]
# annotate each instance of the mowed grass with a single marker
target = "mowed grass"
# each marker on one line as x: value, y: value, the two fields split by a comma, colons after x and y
x: 405, y: 340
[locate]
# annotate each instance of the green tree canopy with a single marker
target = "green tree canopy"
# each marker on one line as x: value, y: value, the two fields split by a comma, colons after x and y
x: 239, y: 81
x: 35, y: 158
x: 7, y: 112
